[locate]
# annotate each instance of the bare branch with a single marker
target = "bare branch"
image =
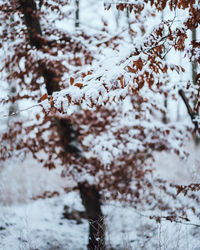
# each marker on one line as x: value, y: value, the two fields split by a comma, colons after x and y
x: 191, y: 113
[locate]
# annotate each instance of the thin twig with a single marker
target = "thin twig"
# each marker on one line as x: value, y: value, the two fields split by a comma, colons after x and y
x: 21, y: 110
x: 162, y: 218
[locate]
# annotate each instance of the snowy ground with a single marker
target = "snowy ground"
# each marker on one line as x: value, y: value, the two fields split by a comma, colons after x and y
x: 39, y: 225
x: 26, y: 224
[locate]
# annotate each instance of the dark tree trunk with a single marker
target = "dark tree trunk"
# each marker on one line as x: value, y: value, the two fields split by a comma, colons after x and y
x: 91, y: 200
x: 194, y: 65
x: 89, y: 194
x: 77, y: 14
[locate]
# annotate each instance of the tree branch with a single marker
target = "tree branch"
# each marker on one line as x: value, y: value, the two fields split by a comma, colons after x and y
x: 191, y: 113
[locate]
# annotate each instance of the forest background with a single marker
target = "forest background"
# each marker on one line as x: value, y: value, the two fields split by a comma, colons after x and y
x: 96, y: 92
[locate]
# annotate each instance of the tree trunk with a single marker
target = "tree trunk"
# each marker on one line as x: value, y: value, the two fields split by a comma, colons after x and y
x: 164, y: 119
x: 91, y: 200
x: 194, y: 65
x: 89, y: 194
x: 77, y: 21
x: 194, y: 76
x: 12, y: 88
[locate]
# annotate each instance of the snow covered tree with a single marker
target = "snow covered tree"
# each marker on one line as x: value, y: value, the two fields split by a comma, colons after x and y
x: 99, y: 97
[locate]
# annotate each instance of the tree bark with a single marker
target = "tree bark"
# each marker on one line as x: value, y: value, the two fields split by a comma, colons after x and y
x: 194, y: 65
x: 91, y: 200
x: 89, y: 194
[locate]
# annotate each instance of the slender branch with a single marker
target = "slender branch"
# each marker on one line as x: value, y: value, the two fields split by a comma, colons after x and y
x: 185, y: 100
x: 159, y: 218
x: 167, y: 52
x: 191, y: 113
x: 22, y: 110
